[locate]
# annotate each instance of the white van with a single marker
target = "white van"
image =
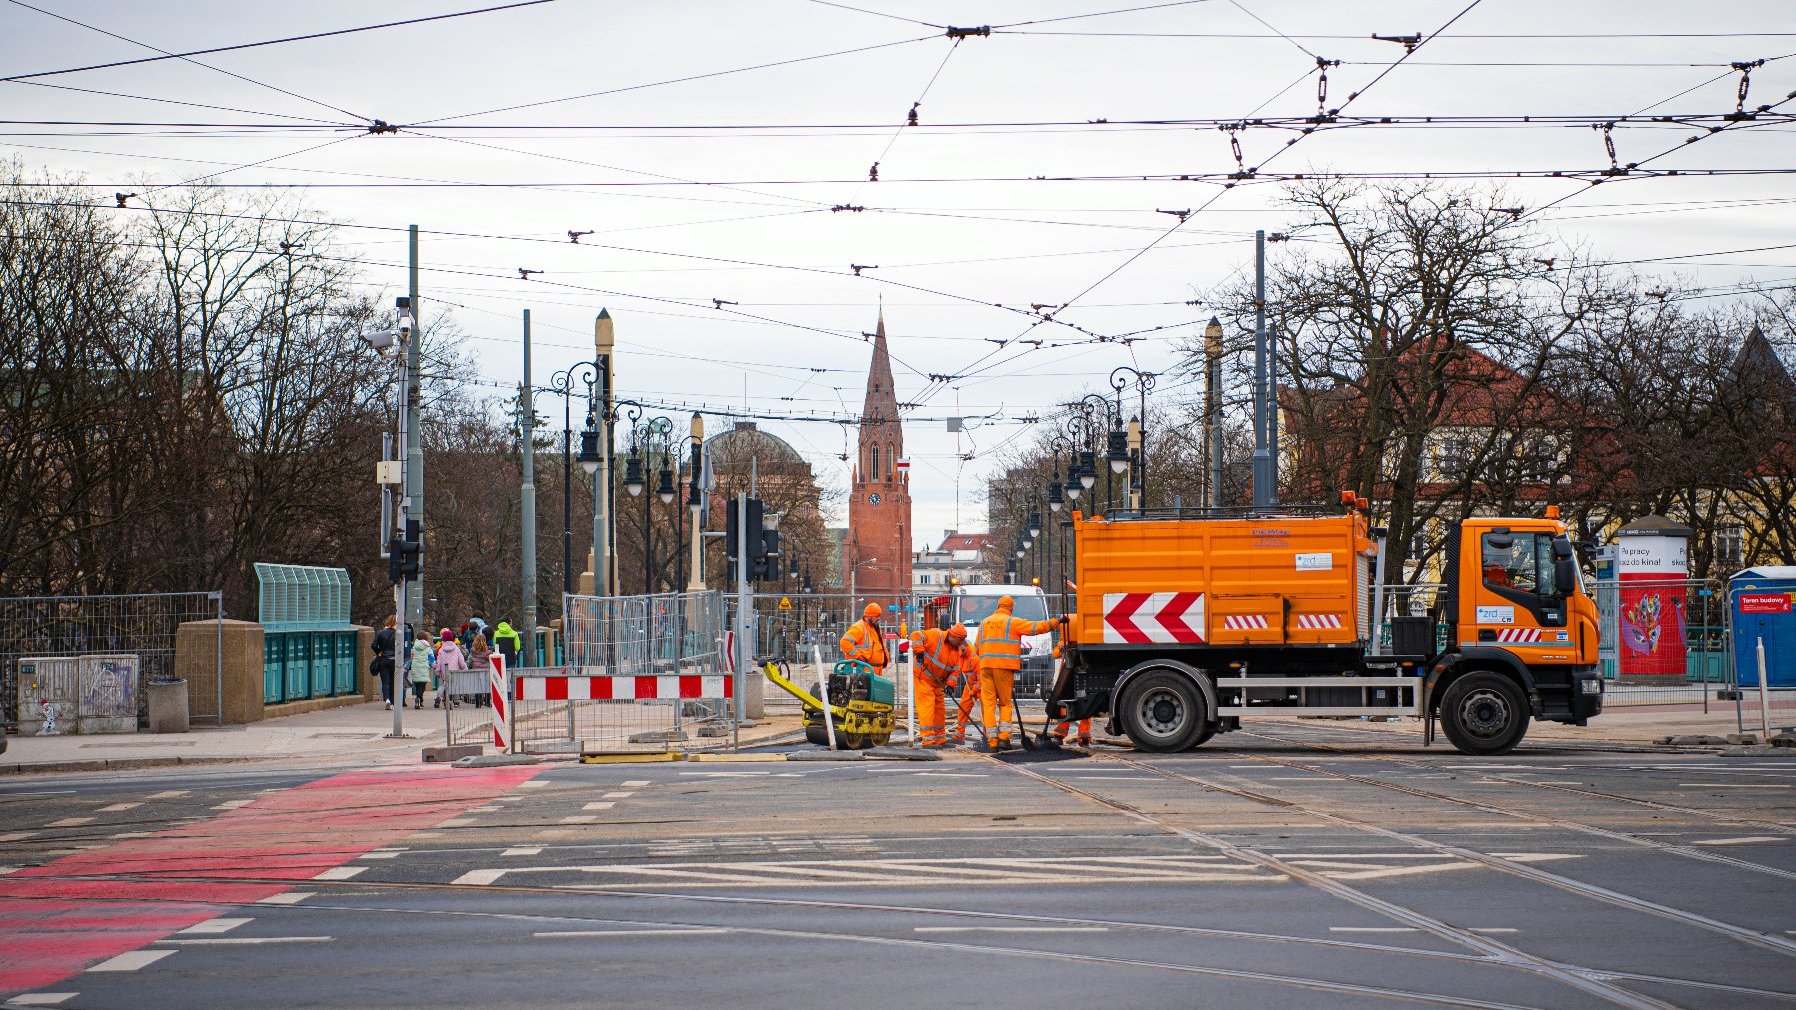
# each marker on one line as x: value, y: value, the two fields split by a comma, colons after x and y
x: 969, y: 605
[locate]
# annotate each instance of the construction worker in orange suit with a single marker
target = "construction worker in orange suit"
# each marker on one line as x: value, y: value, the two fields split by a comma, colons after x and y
x: 937, y: 658
x: 1065, y: 726
x: 969, y: 695
x: 1000, y: 657
x: 865, y: 642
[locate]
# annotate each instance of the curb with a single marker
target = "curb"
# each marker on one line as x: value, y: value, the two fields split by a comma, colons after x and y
x: 656, y: 757
x: 127, y: 764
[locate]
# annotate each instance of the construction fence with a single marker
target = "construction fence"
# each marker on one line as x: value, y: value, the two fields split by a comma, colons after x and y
x: 641, y: 673
x: 98, y: 654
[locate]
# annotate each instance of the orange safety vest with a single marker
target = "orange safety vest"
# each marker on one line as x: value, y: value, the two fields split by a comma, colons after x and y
x: 935, y: 658
x: 1001, y: 640
x: 866, y: 643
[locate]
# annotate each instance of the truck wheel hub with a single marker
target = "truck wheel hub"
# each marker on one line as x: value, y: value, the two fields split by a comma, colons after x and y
x: 1162, y: 712
x: 1484, y: 713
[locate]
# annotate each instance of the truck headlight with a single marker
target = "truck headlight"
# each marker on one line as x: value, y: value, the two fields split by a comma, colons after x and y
x: 1590, y: 685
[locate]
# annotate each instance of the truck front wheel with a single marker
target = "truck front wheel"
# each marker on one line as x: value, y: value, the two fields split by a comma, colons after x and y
x: 1484, y: 713
x: 1162, y: 711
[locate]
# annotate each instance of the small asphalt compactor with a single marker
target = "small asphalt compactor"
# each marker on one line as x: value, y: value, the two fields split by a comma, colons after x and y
x: 860, y: 710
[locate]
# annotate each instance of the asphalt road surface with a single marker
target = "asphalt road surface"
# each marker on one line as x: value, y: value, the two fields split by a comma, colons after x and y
x: 1312, y: 865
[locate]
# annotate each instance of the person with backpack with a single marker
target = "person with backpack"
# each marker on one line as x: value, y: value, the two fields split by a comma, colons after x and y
x: 507, y: 643
x: 382, y: 664
x: 450, y: 660
x: 418, y: 672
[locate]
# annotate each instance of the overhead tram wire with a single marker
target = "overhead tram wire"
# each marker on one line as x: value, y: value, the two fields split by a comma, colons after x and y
x: 1184, y: 218
x: 175, y: 101
x: 266, y: 42
x: 880, y: 14
x: 186, y: 58
x: 873, y: 173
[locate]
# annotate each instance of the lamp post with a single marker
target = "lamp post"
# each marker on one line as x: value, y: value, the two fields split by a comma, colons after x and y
x: 695, y: 491
x: 562, y: 384
x: 1120, y: 379
x: 604, y: 340
x: 645, y: 436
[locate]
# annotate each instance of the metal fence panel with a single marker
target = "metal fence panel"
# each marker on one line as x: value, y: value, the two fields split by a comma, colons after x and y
x: 142, y: 625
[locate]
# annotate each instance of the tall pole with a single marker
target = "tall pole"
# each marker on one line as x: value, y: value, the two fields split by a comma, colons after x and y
x: 1213, y: 406
x: 1272, y: 412
x: 410, y: 593
x: 1262, y: 459
x: 527, y: 502
x: 567, y: 498
x: 603, y: 340
x: 744, y: 650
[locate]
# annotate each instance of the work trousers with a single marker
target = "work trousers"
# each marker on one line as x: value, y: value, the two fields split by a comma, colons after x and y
x: 969, y: 696
x: 1065, y: 727
x: 998, y: 709
x: 932, y: 722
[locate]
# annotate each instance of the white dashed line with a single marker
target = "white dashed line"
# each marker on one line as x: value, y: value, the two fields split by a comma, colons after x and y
x: 131, y: 960
x: 619, y: 796
x: 167, y: 794
x: 288, y: 898
x: 215, y: 926
x: 17, y: 836
x: 629, y: 932
x: 456, y: 822
x: 1011, y: 929
x: 580, y: 819
x: 636, y: 783
x: 248, y: 941
x: 70, y: 822
x: 42, y: 998
x: 605, y: 805
x: 340, y: 873
x: 533, y: 784
x: 232, y: 804
x: 523, y: 850
x: 382, y: 854
x: 119, y: 808
x: 1747, y: 840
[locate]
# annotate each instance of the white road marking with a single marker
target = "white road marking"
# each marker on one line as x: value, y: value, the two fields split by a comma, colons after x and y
x: 478, y: 877
x: 119, y: 808
x: 382, y: 854
x: 1114, y: 778
x: 1491, y: 930
x: 1373, y: 929
x: 619, y: 796
x: 603, y: 805
x: 232, y: 804
x: 340, y: 873
x: 4, y: 870
x: 42, y: 998
x: 532, y: 784
x: 215, y: 926
x: 954, y: 775
x: 695, y: 931
x: 903, y: 872
x: 581, y: 819
x: 287, y: 898
x: 523, y: 850
x: 484, y: 810
x: 636, y: 783
x: 1011, y: 929
x: 167, y: 794
x: 69, y: 822
x: 724, y: 775
x: 17, y: 836
x: 132, y: 834
x: 131, y: 960
x: 456, y: 822
x: 1746, y: 840
x: 247, y: 941
x: 1733, y: 785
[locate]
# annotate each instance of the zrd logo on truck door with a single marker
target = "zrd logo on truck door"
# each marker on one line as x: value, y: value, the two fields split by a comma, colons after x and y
x: 1153, y: 618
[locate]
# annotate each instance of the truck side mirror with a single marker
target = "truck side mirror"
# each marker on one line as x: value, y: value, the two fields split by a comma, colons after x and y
x: 1565, y: 575
x: 1562, y: 548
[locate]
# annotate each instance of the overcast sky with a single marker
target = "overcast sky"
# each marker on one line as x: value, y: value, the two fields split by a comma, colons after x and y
x: 971, y: 244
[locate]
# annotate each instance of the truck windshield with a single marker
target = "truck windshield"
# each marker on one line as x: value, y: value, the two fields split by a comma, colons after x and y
x: 1522, y: 562
x: 970, y: 610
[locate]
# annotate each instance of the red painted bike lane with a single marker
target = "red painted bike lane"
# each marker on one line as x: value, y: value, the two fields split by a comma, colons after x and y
x: 60, y: 918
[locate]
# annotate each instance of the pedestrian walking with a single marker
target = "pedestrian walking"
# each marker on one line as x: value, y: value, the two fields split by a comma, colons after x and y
x: 1000, y: 657
x: 506, y: 642
x: 937, y: 657
x: 480, y: 660
x: 450, y: 661
x: 382, y: 664
x: 419, y: 672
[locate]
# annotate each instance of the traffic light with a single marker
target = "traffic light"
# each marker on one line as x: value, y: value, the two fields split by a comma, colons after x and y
x: 405, y: 555
x: 734, y: 539
x: 767, y: 565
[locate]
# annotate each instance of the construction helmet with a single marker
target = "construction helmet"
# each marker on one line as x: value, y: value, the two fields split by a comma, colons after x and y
x: 1006, y: 603
x: 958, y: 633
x: 872, y: 612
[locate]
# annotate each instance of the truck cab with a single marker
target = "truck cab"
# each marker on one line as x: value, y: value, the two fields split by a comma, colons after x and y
x: 970, y: 605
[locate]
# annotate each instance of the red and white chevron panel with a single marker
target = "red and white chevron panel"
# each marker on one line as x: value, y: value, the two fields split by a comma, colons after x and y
x: 1518, y: 634
x: 623, y: 688
x: 1153, y: 618
x: 501, y: 703
x: 1319, y: 622
x: 1246, y: 622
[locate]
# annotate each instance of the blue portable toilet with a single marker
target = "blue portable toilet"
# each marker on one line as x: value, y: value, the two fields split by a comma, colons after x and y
x: 1762, y: 603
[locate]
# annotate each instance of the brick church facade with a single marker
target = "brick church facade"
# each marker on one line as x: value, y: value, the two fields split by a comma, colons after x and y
x: 878, y: 544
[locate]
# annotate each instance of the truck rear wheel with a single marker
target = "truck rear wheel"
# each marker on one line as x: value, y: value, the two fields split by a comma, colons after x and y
x: 1162, y: 711
x: 1484, y: 713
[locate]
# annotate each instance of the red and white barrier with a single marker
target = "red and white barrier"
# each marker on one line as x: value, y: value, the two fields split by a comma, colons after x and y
x: 582, y: 688
x: 501, y: 704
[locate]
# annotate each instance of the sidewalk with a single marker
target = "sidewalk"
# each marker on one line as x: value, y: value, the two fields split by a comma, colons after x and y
x: 355, y: 734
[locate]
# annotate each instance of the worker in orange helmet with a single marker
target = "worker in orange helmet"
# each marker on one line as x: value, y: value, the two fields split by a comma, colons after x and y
x: 865, y: 642
x: 937, y: 657
x: 1000, y: 657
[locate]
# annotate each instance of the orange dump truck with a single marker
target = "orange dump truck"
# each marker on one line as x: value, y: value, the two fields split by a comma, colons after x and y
x: 1186, y: 624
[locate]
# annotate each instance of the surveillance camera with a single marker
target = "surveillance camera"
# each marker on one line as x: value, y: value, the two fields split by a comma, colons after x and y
x: 380, y: 340
x: 405, y: 326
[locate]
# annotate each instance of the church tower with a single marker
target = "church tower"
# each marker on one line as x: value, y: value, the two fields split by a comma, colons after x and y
x: 878, y: 543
